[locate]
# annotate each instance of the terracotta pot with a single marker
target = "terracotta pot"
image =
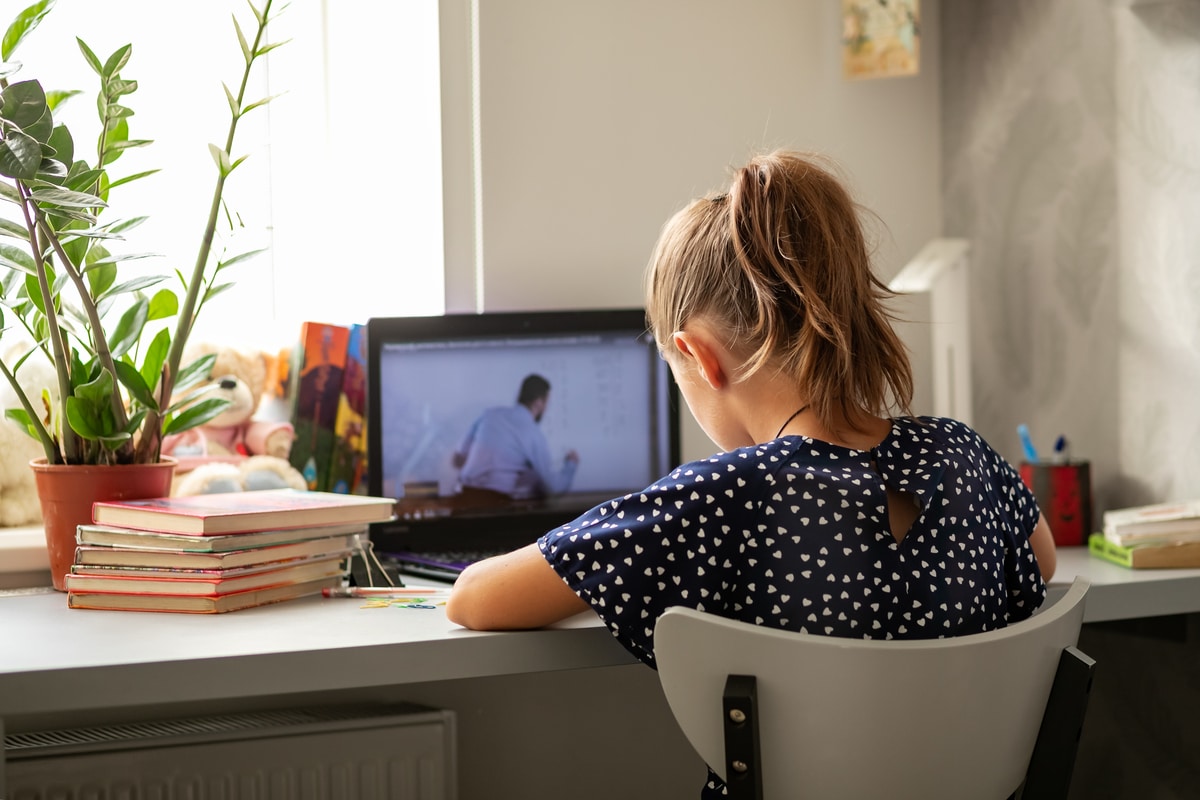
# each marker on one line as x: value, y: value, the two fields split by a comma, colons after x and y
x: 67, y: 491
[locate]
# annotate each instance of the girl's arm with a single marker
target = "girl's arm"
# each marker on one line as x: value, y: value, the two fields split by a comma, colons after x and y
x: 1042, y: 541
x: 514, y: 591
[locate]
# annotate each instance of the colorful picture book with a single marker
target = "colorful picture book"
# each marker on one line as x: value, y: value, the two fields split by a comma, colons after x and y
x: 317, y: 369
x: 261, y: 557
x: 201, y: 604
x: 348, y: 466
x: 1177, y: 555
x: 188, y: 584
x: 239, y: 512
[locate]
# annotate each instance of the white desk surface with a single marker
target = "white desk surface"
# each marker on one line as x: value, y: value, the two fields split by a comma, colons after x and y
x: 56, y: 659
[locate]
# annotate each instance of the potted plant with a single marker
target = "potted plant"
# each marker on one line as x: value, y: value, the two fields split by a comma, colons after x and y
x: 116, y: 345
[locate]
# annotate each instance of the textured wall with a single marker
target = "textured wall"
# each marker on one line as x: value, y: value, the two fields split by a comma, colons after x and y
x: 1072, y: 163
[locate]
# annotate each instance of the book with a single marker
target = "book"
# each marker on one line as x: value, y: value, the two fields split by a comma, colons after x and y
x: 133, y: 539
x: 118, y: 570
x: 188, y: 584
x: 318, y: 364
x: 103, y: 556
x: 201, y: 604
x: 1179, y: 555
x: 1158, y: 521
x: 241, y: 512
x: 348, y: 465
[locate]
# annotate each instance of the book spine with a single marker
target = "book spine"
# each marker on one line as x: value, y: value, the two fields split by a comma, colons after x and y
x: 1100, y: 546
x: 1160, y: 512
x: 318, y: 368
x: 347, y: 473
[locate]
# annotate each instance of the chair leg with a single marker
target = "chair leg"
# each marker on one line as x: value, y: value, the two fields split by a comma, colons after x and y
x: 1053, y: 759
x: 743, y: 772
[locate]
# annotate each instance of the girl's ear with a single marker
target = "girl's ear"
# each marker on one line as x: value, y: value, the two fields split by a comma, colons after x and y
x: 699, y: 350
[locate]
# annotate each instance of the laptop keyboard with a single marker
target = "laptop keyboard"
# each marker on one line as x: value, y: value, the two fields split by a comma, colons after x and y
x: 441, y: 565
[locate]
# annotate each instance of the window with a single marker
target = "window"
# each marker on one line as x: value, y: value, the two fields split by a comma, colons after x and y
x: 343, y: 177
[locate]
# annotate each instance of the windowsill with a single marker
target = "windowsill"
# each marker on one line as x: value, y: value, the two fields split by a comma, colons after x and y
x: 23, y: 558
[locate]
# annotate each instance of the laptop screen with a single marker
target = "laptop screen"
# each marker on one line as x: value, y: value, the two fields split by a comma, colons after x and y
x: 490, y: 429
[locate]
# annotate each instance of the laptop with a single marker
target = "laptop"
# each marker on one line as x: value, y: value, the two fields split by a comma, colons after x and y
x: 461, y: 406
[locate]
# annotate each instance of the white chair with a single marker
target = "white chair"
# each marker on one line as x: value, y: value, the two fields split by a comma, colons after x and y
x: 779, y: 714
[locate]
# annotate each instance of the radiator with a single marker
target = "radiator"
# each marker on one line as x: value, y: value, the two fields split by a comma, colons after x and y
x: 332, y: 753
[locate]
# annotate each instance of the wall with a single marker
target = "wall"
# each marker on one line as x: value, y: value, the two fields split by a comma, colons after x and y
x: 1073, y: 166
x: 598, y: 120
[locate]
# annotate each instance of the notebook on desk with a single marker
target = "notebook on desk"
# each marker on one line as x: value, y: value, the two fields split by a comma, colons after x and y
x: 458, y: 413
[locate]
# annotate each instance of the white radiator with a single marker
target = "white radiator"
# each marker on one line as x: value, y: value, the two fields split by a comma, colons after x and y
x: 339, y: 753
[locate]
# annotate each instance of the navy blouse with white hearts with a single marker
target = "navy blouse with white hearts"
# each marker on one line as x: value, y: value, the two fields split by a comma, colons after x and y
x: 794, y: 534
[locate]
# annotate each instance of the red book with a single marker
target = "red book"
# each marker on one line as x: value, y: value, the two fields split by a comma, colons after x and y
x: 242, y: 512
x: 190, y: 584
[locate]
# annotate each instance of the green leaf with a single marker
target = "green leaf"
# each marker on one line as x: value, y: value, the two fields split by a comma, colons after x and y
x: 10, y: 228
x: 220, y: 157
x: 81, y: 420
x: 195, y: 415
x: 90, y: 57
x: 20, y: 156
x: 64, y: 146
x: 115, y: 111
x: 266, y: 48
x: 83, y: 181
x: 23, y: 25
x: 233, y: 103
x: 117, y: 61
x: 156, y: 356
x: 132, y: 380
x: 246, y: 52
x: 67, y: 198
x: 131, y: 178
x: 198, y: 370
x: 52, y: 168
x: 9, y: 193
x: 97, y: 392
x: 119, y: 87
x: 8, y: 68
x: 16, y: 258
x: 129, y: 327
x: 240, y: 257
x: 19, y: 416
x: 34, y: 290
x: 213, y: 291
x: 258, y: 103
x: 135, y: 284
x: 126, y: 224
x: 56, y: 97
x: 163, y: 305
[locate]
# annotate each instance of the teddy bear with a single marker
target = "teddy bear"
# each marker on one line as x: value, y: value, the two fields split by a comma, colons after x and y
x: 19, y: 503
x: 237, y: 450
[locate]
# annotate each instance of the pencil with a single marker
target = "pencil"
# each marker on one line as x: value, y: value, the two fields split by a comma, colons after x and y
x: 385, y: 591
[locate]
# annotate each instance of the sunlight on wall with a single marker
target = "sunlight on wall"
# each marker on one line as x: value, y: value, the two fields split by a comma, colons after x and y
x: 343, y: 177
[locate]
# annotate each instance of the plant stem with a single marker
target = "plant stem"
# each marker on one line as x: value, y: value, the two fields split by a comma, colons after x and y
x: 150, y: 447
x: 70, y: 442
x: 44, y: 437
x: 99, y: 340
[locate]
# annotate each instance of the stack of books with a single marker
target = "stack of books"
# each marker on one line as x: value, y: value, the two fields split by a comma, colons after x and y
x: 218, y: 552
x: 1151, y: 536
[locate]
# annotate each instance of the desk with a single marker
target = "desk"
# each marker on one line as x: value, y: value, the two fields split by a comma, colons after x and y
x: 59, y: 666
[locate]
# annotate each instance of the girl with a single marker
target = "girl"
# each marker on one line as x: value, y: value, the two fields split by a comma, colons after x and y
x: 823, y: 514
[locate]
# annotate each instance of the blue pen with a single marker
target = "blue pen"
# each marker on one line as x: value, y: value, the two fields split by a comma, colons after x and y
x: 1031, y: 454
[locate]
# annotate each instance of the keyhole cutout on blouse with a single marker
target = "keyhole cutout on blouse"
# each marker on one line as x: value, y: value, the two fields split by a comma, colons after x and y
x: 903, y: 511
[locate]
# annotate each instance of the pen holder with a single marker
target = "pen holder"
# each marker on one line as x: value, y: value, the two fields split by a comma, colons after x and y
x: 1064, y: 495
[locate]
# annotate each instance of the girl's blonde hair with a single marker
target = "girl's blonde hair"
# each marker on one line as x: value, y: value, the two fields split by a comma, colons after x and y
x: 781, y: 264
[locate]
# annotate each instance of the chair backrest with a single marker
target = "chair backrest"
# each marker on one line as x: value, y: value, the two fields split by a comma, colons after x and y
x: 850, y: 718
